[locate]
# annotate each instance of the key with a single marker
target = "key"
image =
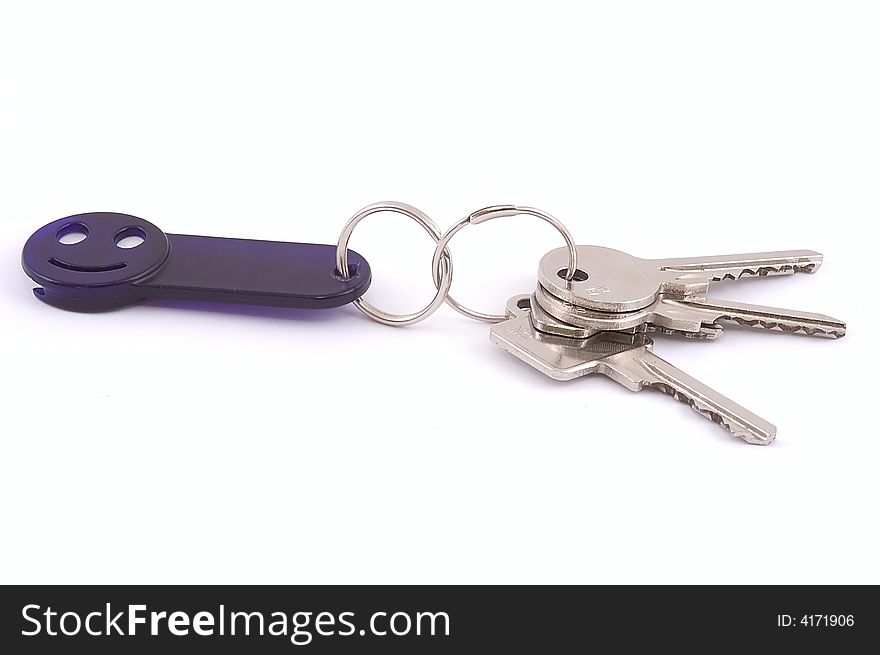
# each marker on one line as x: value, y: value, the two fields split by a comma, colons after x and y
x: 99, y: 272
x: 614, y: 281
x: 626, y: 359
x: 691, y: 315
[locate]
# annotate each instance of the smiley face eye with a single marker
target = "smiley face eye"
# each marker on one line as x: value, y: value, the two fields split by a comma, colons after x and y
x: 130, y: 237
x: 72, y: 233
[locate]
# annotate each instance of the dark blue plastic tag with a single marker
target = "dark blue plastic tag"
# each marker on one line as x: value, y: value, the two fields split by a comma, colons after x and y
x: 104, y: 260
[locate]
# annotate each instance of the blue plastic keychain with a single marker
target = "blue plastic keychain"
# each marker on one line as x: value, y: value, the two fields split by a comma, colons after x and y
x: 81, y: 263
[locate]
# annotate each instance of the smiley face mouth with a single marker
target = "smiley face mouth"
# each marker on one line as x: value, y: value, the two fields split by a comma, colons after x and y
x: 67, y: 266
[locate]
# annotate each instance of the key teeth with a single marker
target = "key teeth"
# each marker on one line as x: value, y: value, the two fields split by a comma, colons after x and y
x: 734, y: 428
x: 765, y: 271
x: 833, y: 333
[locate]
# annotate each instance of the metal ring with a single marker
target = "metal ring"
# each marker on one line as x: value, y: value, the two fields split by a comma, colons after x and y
x: 487, y: 214
x: 442, y: 278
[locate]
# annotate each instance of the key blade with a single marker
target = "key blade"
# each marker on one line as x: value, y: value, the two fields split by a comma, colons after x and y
x: 698, y: 310
x: 640, y: 368
x: 691, y: 274
x: 733, y: 267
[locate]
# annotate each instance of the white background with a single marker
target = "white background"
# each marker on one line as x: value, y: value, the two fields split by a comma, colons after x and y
x: 160, y: 444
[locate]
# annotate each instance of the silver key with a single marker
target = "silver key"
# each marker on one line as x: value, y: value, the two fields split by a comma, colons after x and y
x: 627, y: 359
x: 690, y: 315
x: 613, y: 281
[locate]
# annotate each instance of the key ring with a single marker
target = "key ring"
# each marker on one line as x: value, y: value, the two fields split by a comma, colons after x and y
x: 442, y: 260
x: 481, y: 216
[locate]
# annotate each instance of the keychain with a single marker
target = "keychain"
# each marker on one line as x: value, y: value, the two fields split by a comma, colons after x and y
x: 80, y: 265
x: 592, y: 310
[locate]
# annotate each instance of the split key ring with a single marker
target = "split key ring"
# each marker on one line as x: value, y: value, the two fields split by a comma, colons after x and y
x: 487, y: 214
x: 442, y: 279
x: 441, y: 265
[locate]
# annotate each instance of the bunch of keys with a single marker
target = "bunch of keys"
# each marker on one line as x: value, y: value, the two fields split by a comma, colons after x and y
x: 592, y: 311
x: 599, y: 319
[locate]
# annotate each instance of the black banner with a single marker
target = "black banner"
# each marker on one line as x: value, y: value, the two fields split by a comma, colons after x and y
x: 413, y: 619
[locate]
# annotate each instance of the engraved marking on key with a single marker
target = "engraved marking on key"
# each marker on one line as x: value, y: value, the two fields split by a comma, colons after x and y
x: 619, y: 282
x: 627, y: 359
